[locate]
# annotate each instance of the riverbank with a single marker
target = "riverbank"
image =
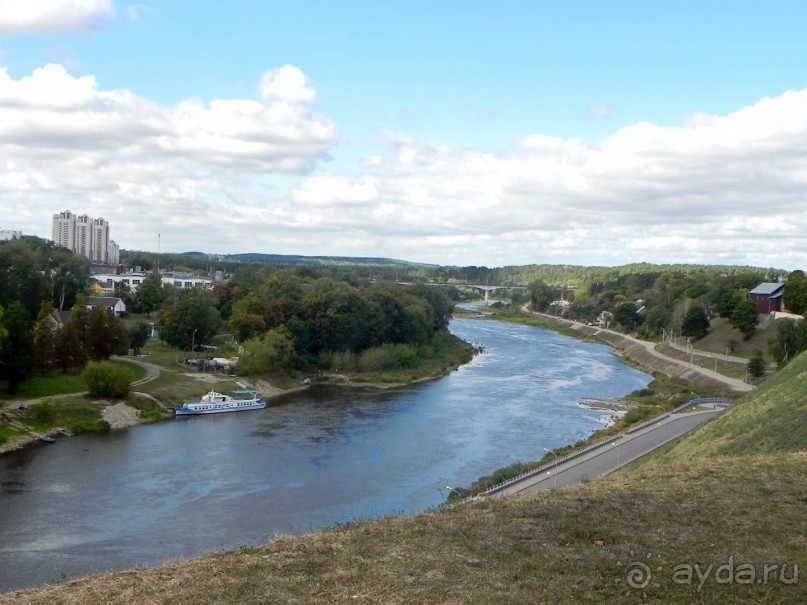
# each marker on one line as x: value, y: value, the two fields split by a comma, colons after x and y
x: 644, y: 354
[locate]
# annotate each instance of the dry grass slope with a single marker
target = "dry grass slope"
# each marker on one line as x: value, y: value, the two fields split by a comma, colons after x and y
x: 567, y: 546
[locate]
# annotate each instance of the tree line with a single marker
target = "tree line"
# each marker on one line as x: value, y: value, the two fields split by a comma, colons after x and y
x: 651, y: 302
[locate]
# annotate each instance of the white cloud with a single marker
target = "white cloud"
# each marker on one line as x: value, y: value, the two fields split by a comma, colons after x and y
x: 287, y: 84
x: 234, y: 175
x: 52, y: 112
x: 52, y: 16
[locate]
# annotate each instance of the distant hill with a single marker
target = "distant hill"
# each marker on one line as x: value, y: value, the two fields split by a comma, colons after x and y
x: 318, y: 261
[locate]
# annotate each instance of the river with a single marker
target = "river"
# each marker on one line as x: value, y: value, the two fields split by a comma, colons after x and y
x: 164, y: 492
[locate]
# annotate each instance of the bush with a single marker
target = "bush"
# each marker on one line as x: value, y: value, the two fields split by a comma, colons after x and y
x: 374, y: 360
x: 42, y: 413
x: 107, y: 379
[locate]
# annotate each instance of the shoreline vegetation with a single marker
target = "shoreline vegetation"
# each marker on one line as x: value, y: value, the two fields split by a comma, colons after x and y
x: 172, y: 382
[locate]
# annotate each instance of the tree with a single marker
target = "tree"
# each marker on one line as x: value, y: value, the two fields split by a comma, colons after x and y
x: 540, y: 295
x: 46, y: 337
x: 17, y: 353
x: 756, y: 365
x: 192, y: 319
x: 72, y: 349
x: 696, y: 323
x: 790, y: 340
x: 625, y: 315
x: 274, y: 352
x: 139, y: 335
x: 745, y: 318
x: 106, y: 335
x: 795, y: 296
x: 149, y: 295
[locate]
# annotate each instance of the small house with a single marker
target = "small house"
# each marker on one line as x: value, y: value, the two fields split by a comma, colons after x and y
x: 111, y: 303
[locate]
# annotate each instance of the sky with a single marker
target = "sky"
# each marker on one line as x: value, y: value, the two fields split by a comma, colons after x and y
x: 452, y: 132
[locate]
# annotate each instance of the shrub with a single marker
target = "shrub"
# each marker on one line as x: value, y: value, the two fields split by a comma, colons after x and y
x: 42, y: 413
x: 374, y: 360
x: 107, y: 379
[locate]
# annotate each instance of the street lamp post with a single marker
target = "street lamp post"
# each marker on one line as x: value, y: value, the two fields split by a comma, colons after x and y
x: 193, y: 341
x: 616, y: 445
x: 451, y: 489
x: 556, y: 464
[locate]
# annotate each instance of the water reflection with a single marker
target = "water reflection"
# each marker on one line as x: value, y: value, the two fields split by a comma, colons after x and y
x: 161, y: 492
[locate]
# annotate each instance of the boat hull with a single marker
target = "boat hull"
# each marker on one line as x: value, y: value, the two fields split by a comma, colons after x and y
x: 191, y: 411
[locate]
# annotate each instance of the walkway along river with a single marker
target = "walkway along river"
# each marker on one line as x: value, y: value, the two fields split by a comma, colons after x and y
x: 158, y: 493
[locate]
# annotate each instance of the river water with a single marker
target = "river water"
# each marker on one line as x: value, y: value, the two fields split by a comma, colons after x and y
x: 163, y: 492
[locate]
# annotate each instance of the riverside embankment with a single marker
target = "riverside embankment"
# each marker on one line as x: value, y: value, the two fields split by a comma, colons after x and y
x: 644, y: 354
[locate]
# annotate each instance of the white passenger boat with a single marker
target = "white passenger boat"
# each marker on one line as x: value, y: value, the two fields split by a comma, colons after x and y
x: 216, y: 403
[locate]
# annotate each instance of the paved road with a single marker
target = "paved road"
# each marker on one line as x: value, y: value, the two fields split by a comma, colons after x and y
x: 608, y: 457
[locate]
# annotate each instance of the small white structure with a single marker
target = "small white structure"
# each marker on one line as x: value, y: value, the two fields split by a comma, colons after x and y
x: 111, y: 303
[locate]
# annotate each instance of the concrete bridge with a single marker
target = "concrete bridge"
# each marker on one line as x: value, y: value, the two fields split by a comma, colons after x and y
x: 482, y: 288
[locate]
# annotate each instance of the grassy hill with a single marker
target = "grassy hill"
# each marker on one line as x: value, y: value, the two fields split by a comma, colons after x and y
x: 772, y: 419
x: 717, y: 518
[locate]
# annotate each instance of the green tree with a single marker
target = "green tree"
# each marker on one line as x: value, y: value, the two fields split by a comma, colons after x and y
x: 72, y: 350
x: 46, y: 338
x: 696, y: 323
x: 795, y: 296
x: 149, y: 295
x: 139, y: 335
x: 269, y: 354
x: 790, y: 340
x: 745, y: 318
x: 625, y: 315
x: 107, y: 379
x: 17, y: 353
x: 106, y: 335
x: 192, y: 319
x: 726, y: 300
x: 756, y: 365
x: 541, y: 295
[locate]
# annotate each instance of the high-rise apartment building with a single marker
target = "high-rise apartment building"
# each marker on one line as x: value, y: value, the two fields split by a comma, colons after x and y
x: 86, y: 236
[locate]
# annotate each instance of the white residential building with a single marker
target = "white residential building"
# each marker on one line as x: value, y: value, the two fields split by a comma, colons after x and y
x: 113, y: 253
x: 83, y: 235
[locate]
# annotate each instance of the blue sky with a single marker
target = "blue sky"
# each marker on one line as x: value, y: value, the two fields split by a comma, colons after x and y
x: 467, y: 133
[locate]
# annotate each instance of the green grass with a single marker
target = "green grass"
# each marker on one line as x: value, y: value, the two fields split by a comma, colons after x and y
x: 57, y: 384
x: 771, y: 419
x: 722, y: 335
x: 45, y: 386
x: 76, y: 414
x: 6, y: 433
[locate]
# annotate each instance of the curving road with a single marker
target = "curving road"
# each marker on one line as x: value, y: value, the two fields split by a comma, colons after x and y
x: 608, y: 457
